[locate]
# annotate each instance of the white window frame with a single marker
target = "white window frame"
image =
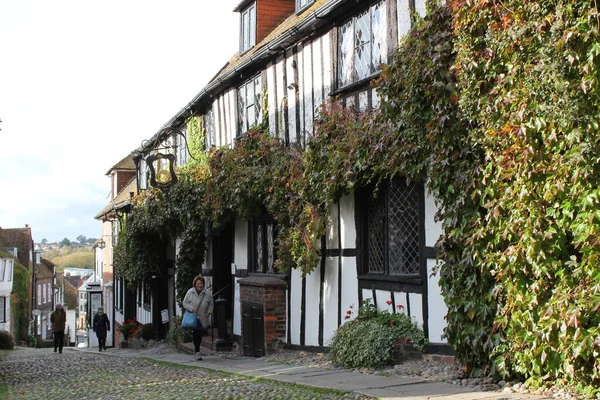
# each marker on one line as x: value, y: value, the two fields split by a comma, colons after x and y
x: 302, y: 4
x: 248, y: 28
x: 2, y: 269
x: 249, y: 104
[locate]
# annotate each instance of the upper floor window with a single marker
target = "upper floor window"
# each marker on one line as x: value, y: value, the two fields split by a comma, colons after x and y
x: 262, y: 258
x: 209, y: 129
x: 392, y: 229
x: 249, y: 104
x: 301, y: 4
x: 144, y: 175
x: 2, y: 269
x: 248, y: 39
x: 362, y: 45
x: 9, y: 271
x: 182, y: 153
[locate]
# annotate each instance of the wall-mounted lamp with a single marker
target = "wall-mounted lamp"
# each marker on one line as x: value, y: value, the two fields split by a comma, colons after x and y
x: 162, y: 164
x: 293, y: 86
x: 101, y: 244
x: 162, y: 172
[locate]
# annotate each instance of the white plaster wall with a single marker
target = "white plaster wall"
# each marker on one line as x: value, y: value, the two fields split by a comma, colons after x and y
x: 232, y: 127
x: 295, y: 305
x: 291, y: 95
x: 420, y: 7
x: 437, y: 306
x: 433, y: 229
x: 317, y: 76
x: 331, y: 239
x: 312, y: 307
x: 400, y: 299
x: 327, y: 64
x: 349, y: 285
x: 240, y: 245
x: 281, y: 99
x: 330, y: 299
x: 382, y: 297
x: 348, y: 225
x: 271, y: 98
x: 403, y: 18
x: 416, y: 307
x: 237, y: 309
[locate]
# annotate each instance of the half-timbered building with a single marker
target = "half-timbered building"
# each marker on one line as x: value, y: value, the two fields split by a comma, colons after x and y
x: 293, y: 56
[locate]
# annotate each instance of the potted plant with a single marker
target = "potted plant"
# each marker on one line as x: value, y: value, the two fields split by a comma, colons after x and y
x: 130, y: 328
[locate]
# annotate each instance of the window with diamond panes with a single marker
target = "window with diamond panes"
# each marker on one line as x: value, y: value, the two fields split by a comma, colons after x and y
x: 362, y: 45
x: 249, y: 104
x: 392, y: 227
x: 263, y: 247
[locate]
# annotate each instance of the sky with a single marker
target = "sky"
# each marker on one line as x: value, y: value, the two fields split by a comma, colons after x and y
x: 82, y: 84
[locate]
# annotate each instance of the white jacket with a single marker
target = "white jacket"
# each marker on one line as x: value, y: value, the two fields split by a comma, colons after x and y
x: 203, y: 303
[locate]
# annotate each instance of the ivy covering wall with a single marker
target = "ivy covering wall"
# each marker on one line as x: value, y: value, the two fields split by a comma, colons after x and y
x: 493, y: 105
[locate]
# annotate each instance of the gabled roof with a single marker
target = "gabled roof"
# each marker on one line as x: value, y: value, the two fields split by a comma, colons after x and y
x: 21, y: 239
x: 48, y: 271
x: 126, y: 164
x: 122, y: 199
x: 296, y: 27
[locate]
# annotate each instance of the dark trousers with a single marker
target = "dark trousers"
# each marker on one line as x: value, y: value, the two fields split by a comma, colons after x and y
x: 197, y: 339
x: 59, y: 337
x: 102, y: 343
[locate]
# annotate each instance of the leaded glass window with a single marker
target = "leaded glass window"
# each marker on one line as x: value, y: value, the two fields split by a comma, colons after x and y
x: 263, y: 233
x: 393, y: 220
x: 362, y: 45
x: 249, y: 104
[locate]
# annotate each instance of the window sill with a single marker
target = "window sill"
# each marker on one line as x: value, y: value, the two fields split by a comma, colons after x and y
x: 355, y: 85
x: 407, y: 284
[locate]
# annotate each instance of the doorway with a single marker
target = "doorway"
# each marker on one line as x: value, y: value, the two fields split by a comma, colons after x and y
x: 222, y: 253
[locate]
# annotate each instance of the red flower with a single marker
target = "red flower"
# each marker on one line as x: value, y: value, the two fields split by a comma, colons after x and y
x: 347, y: 317
x: 349, y: 312
x: 399, y: 306
x: 389, y: 302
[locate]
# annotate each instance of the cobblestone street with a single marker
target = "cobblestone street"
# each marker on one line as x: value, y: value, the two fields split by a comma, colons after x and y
x: 41, y: 374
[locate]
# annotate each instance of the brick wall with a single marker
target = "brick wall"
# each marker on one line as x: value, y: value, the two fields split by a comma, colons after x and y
x: 270, y: 292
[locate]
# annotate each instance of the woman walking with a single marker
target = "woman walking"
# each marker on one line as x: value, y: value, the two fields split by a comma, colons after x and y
x: 199, y: 300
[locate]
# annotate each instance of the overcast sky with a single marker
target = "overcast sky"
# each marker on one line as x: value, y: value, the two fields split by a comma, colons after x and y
x: 82, y: 83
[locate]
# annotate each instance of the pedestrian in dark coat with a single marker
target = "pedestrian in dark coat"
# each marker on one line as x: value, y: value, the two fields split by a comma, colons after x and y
x: 101, y: 326
x: 58, y: 319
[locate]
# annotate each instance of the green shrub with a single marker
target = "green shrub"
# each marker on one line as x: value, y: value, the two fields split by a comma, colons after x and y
x: 147, y: 332
x: 362, y: 344
x: 177, y: 335
x: 370, y: 339
x: 6, y: 341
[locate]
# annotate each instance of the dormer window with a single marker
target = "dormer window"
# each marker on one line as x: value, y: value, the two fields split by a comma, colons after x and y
x: 248, y: 39
x: 302, y: 4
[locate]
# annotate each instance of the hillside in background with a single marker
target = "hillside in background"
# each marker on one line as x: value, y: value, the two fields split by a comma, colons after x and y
x: 71, y: 257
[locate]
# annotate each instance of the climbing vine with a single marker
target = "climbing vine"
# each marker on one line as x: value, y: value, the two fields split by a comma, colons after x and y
x: 494, y: 107
x: 529, y: 76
